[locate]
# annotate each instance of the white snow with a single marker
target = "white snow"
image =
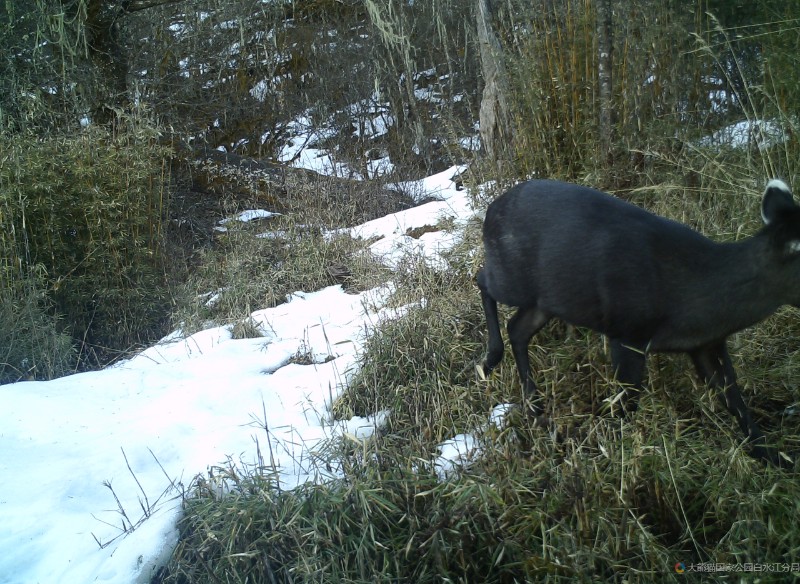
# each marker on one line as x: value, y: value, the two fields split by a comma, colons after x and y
x: 102, y: 457
x: 762, y: 134
x: 380, y: 167
x: 244, y: 217
x: 463, y: 449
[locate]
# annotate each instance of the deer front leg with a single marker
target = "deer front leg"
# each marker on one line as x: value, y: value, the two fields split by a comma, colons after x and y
x: 713, y: 365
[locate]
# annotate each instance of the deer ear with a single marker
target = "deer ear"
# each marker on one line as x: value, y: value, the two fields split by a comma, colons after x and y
x: 793, y: 246
x: 777, y: 198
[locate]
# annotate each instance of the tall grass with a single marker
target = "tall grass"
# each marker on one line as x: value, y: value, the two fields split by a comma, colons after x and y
x: 594, y: 497
x: 86, y: 214
x: 33, y: 344
x: 304, y: 247
x: 601, y: 499
x: 660, y: 88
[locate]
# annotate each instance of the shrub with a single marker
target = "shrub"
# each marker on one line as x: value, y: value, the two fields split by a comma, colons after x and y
x: 32, y: 345
x: 88, y: 211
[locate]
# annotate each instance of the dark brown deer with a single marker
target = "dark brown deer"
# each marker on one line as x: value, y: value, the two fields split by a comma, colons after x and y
x: 558, y: 250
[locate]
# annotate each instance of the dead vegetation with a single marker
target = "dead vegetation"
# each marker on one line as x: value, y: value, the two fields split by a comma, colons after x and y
x: 594, y: 497
x: 601, y: 499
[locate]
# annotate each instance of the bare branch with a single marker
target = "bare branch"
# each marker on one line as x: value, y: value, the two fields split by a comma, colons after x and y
x: 138, y: 6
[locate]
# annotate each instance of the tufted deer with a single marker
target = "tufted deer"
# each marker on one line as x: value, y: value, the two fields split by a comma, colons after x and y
x: 649, y: 284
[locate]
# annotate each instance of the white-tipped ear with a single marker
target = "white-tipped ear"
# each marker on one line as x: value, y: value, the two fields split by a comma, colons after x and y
x: 777, y: 197
x: 777, y: 183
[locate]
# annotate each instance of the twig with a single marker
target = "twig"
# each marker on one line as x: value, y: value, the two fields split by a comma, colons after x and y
x: 146, y: 508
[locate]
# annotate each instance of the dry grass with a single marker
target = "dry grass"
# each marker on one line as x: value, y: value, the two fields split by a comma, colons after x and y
x: 82, y: 219
x: 257, y: 264
x: 591, y: 498
x: 602, y: 499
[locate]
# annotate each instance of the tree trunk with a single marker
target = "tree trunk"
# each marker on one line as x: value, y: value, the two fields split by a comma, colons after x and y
x: 605, y: 61
x: 109, y: 59
x: 109, y: 56
x: 495, y: 117
x: 390, y: 20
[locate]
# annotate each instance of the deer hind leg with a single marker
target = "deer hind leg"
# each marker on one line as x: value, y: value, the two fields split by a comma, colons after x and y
x: 521, y: 328
x: 495, y: 350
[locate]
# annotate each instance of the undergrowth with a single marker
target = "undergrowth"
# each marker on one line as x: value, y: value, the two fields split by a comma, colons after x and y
x: 590, y: 498
x: 82, y: 219
x: 256, y: 264
x: 617, y: 506
x: 33, y: 344
x: 587, y: 497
